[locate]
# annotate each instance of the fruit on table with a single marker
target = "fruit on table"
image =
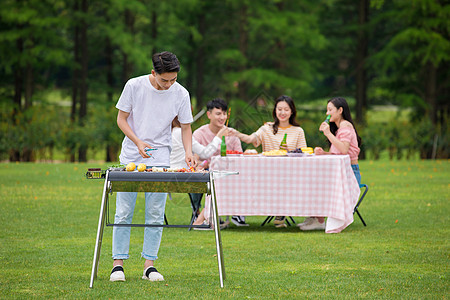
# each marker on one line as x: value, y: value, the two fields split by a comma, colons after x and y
x: 298, y: 150
x: 233, y: 152
x: 142, y: 167
x: 280, y: 152
x: 131, y: 167
x: 308, y: 150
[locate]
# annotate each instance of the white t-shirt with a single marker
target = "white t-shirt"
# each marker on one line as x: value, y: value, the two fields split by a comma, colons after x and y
x: 177, y: 156
x: 151, y: 114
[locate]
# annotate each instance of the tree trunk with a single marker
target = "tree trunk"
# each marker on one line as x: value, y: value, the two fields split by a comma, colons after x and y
x: 430, y: 92
x: 14, y: 154
x: 430, y: 98
x: 127, y: 67
x: 361, y: 56
x: 75, y: 75
x: 199, y: 61
x: 28, y: 86
x: 28, y: 154
x: 154, y: 34
x: 243, y: 48
x: 82, y: 151
x: 281, y: 64
x: 361, y: 74
x: 111, y: 149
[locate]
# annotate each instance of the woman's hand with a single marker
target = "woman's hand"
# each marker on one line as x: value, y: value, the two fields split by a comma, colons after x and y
x: 325, y: 128
x: 225, y: 131
x: 318, y: 151
x: 233, y: 132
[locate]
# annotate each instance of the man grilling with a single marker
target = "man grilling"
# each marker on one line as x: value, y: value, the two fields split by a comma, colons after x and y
x: 147, y: 106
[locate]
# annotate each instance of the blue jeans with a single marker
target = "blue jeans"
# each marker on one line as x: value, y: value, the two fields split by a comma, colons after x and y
x: 357, y: 173
x: 155, y: 204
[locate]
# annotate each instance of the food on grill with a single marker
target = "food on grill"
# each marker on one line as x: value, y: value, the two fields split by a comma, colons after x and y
x: 131, y: 167
x: 279, y: 152
x: 159, y: 169
x: 250, y: 152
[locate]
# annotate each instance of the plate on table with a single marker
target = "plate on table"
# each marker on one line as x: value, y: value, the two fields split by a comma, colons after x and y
x: 296, y: 154
x: 278, y: 155
x: 235, y: 155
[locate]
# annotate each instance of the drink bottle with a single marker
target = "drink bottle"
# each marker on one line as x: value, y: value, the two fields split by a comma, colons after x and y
x: 223, y: 147
x: 327, y: 120
x: 284, y: 140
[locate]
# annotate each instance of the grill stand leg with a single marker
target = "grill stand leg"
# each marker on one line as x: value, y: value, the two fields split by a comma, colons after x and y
x: 220, y: 259
x: 101, y: 225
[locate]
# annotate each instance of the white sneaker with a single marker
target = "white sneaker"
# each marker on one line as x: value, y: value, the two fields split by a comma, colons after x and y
x: 152, y: 274
x: 313, y: 225
x: 306, y: 221
x: 238, y: 221
x: 117, y: 274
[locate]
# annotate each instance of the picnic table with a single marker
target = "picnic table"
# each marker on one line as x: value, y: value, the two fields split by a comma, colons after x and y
x: 288, y: 186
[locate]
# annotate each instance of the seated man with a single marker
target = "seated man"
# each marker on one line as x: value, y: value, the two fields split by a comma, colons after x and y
x: 177, y: 156
x: 217, y: 115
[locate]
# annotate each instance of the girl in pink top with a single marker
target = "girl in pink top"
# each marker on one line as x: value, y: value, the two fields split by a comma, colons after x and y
x: 343, y: 139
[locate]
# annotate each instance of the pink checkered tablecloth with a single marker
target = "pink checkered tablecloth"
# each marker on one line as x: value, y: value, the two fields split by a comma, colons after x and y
x: 288, y: 186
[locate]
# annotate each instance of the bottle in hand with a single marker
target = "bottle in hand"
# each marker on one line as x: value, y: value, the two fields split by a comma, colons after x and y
x: 223, y: 147
x: 327, y: 120
x: 284, y: 141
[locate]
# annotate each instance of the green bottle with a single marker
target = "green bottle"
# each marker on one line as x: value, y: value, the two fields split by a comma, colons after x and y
x: 284, y: 140
x: 327, y: 120
x: 223, y: 147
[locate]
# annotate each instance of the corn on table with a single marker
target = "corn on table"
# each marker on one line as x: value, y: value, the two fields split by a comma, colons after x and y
x: 164, y: 182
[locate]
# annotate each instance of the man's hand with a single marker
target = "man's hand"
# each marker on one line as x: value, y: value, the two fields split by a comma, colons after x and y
x: 122, y: 117
x: 141, y: 147
x: 190, y: 160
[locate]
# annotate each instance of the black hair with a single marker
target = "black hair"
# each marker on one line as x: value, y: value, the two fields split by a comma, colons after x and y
x: 165, y: 62
x: 217, y: 103
x: 339, y: 102
x: 291, y: 104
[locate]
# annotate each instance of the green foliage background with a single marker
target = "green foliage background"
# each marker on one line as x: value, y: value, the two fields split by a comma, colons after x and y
x: 237, y: 50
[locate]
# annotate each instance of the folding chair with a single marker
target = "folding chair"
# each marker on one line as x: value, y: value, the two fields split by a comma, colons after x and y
x: 359, y: 202
x: 196, y: 199
x: 270, y: 218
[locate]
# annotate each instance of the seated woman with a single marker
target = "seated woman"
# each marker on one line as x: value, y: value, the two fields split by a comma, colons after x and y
x: 343, y: 139
x: 271, y: 134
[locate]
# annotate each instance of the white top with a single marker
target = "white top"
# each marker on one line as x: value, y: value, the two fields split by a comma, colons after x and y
x: 151, y: 114
x: 177, y: 156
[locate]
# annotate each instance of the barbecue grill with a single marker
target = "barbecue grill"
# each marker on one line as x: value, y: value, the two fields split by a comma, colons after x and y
x: 117, y: 180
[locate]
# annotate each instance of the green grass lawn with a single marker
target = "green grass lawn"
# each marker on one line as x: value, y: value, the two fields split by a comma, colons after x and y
x: 49, y: 221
